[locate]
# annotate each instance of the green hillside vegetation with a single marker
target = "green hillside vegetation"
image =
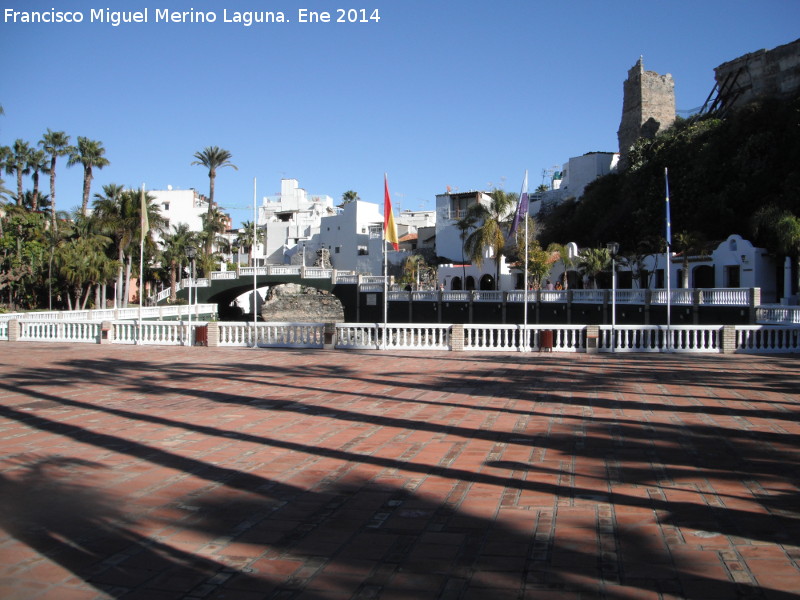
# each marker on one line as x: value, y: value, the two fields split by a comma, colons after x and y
x: 721, y: 173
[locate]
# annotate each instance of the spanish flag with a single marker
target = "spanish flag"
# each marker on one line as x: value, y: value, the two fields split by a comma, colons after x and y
x: 389, y: 228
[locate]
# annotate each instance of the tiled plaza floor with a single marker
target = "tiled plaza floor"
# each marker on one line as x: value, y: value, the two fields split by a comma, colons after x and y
x: 197, y: 473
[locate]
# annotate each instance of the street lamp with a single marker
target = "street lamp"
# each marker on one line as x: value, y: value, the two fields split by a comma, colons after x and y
x: 613, y: 249
x: 191, y: 253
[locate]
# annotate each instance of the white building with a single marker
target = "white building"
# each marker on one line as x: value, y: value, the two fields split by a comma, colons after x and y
x: 288, y: 219
x: 451, y: 208
x: 180, y: 207
x: 354, y: 238
x: 574, y: 176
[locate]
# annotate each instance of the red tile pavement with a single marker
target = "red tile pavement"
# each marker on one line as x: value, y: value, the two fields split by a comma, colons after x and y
x: 141, y: 472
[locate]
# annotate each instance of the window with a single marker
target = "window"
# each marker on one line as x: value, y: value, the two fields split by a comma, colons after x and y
x: 363, y: 250
x: 166, y: 205
x: 338, y: 249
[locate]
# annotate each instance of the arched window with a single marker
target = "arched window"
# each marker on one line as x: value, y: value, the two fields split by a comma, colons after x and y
x: 455, y: 283
x: 470, y: 282
x: 487, y: 282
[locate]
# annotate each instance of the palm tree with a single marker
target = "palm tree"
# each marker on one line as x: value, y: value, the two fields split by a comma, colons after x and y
x: 17, y: 162
x: 55, y: 144
x: 88, y: 153
x: 564, y: 258
x: 214, y: 223
x: 592, y: 261
x: 118, y: 213
x: 779, y: 231
x: 492, y: 231
x: 37, y: 163
x: 173, y: 254
x: 348, y: 197
x: 245, y: 238
x: 213, y: 158
x: 688, y: 243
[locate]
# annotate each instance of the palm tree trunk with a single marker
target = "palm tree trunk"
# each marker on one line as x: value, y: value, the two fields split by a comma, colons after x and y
x: 87, y: 185
x: 53, y: 190
x: 19, y: 187
x: 173, y: 283
x: 127, y: 280
x: 35, y: 198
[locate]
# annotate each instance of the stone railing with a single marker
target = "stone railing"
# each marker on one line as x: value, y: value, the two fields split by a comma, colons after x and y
x: 660, y: 338
x: 116, y: 314
x: 442, y: 337
x: 778, y: 315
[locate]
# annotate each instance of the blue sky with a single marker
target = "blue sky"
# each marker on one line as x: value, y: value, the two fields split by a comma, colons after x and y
x: 467, y: 94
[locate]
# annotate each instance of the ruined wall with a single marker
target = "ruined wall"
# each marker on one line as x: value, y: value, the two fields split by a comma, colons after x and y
x: 648, y: 106
x: 763, y: 73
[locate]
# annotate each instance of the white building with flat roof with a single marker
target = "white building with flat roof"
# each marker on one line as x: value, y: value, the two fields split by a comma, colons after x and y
x: 288, y: 219
x: 574, y: 176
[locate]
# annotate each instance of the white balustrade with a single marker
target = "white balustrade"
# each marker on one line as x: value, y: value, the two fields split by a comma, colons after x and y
x: 487, y: 296
x: 417, y: 337
x: 159, y: 333
x: 509, y: 338
x: 660, y: 338
x: 767, y: 339
x: 725, y: 296
x: 589, y: 296
x: 223, y: 275
x: 272, y: 335
x: 358, y: 336
x: 59, y: 331
x: 778, y: 315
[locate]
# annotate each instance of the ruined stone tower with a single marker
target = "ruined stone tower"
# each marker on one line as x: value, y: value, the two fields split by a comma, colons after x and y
x: 648, y: 106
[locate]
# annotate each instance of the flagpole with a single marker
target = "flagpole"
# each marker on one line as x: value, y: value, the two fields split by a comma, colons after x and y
x: 255, y: 275
x: 525, y: 345
x: 669, y: 264
x: 143, y: 220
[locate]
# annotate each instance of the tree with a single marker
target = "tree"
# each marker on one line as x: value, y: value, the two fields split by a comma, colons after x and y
x: 214, y: 223
x: 173, y: 254
x: 245, y: 238
x: 118, y: 214
x: 688, y: 243
x: 88, y: 153
x: 492, y: 229
x: 464, y: 226
x: 213, y: 158
x: 779, y: 231
x: 37, y: 163
x: 564, y: 258
x: 55, y: 144
x: 592, y: 261
x: 348, y: 197
x: 17, y: 163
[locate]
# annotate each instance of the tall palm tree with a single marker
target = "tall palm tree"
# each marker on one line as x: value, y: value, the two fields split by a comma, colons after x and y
x: 491, y: 228
x: 37, y: 163
x: 55, y: 144
x: 88, y: 153
x: 213, y: 158
x: 17, y: 163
